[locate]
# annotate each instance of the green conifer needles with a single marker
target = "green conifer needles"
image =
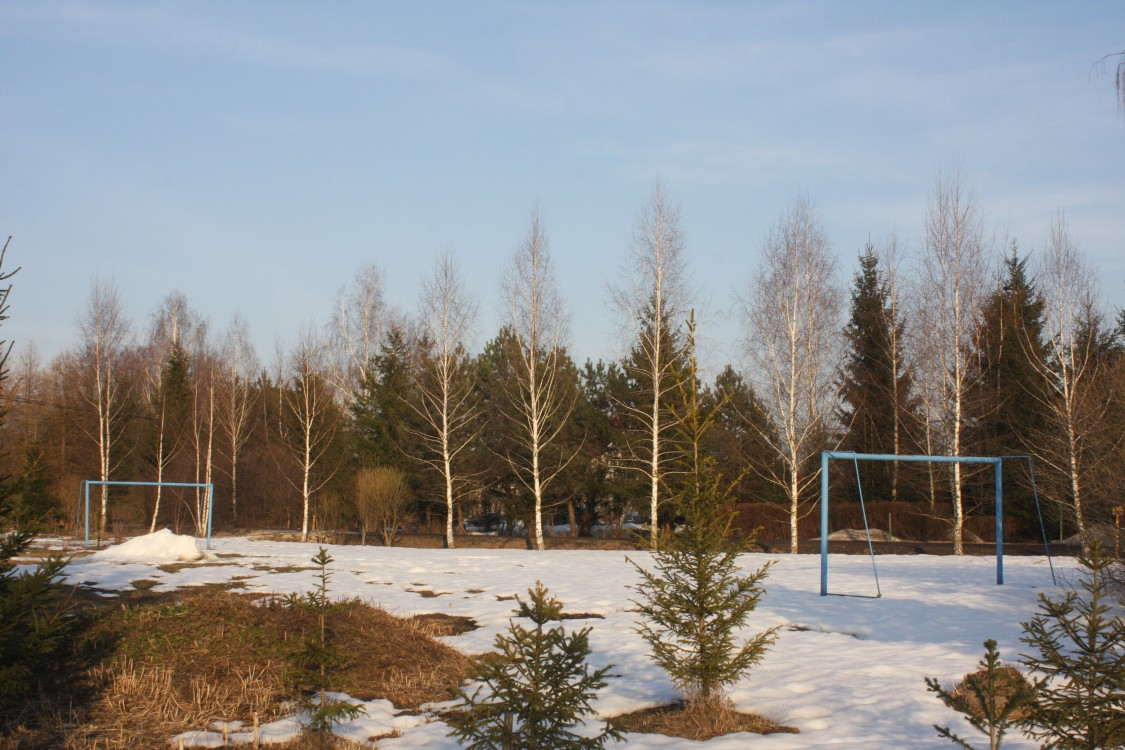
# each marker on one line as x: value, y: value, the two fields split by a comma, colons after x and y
x: 993, y: 699
x: 695, y: 603
x: 34, y: 621
x: 318, y: 658
x: 1079, y: 646
x: 536, y: 690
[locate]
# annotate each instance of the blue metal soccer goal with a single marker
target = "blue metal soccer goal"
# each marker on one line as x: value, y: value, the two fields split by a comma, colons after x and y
x: 209, y: 502
x: 996, y: 461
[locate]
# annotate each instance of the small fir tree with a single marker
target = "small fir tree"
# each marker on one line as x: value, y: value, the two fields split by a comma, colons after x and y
x: 32, y: 504
x: 536, y: 690
x: 993, y: 699
x: 695, y: 602
x: 1079, y: 647
x: 34, y: 621
x: 318, y: 657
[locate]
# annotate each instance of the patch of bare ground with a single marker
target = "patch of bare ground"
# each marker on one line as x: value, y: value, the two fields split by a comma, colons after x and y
x: 177, y: 567
x: 693, y: 723
x: 439, y: 624
x: 150, y: 665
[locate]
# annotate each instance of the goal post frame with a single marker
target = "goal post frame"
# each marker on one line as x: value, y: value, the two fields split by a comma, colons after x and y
x: 996, y: 461
x: 208, y: 486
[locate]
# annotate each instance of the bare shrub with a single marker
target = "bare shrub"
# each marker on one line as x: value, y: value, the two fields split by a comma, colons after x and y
x: 382, y: 499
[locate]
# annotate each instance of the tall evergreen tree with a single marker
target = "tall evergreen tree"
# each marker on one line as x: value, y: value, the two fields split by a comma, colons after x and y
x: 1005, y: 401
x: 607, y: 489
x: 737, y: 440
x: 32, y: 502
x: 501, y: 489
x: 876, y: 388
x: 504, y: 451
x: 169, y: 429
x: 381, y: 417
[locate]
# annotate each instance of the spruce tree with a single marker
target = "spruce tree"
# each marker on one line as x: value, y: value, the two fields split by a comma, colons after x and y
x: 876, y: 392
x: 318, y: 658
x: 1007, y: 394
x: 32, y: 502
x: 33, y: 609
x: 536, y: 690
x: 741, y: 438
x: 382, y: 421
x: 993, y: 699
x: 694, y: 603
x: 1079, y: 650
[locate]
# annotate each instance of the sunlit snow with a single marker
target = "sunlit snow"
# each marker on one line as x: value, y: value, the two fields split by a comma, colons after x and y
x: 847, y: 670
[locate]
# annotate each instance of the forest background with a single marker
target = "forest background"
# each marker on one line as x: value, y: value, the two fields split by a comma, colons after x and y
x: 963, y: 347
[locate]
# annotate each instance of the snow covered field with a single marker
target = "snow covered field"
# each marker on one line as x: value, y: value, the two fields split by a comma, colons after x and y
x: 847, y: 670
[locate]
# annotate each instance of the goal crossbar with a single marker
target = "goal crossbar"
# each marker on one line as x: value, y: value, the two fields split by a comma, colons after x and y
x: 107, y: 483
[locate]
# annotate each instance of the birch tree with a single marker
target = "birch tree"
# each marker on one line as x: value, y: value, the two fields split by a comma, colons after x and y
x: 359, y: 322
x: 542, y: 404
x: 954, y: 274
x: 105, y: 333
x: 448, y: 406
x: 238, y: 369
x: 791, y: 319
x: 167, y: 390
x: 1069, y: 367
x: 204, y: 361
x: 652, y: 304
x: 314, y: 417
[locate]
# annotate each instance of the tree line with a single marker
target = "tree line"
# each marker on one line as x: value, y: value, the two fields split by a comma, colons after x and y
x: 386, y: 416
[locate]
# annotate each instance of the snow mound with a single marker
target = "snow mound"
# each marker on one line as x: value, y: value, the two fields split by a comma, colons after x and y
x: 160, y: 546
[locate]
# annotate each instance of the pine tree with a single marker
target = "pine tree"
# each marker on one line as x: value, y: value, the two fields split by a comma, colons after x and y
x: 318, y: 658
x: 694, y: 603
x: 1079, y: 646
x: 536, y: 689
x: 993, y: 699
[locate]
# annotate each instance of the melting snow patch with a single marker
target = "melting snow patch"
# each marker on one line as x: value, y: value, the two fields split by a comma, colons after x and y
x: 379, y: 719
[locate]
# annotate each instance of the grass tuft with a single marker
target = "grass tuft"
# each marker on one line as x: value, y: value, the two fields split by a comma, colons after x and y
x: 698, y: 722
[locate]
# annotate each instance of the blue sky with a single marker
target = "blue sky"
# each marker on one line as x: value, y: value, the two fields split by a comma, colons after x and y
x: 253, y: 155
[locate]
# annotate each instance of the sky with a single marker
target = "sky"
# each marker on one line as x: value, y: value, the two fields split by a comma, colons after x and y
x: 255, y: 155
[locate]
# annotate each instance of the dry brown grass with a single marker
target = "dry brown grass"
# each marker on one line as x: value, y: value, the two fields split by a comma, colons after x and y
x: 439, y: 624
x: 170, y: 662
x: 697, y: 721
